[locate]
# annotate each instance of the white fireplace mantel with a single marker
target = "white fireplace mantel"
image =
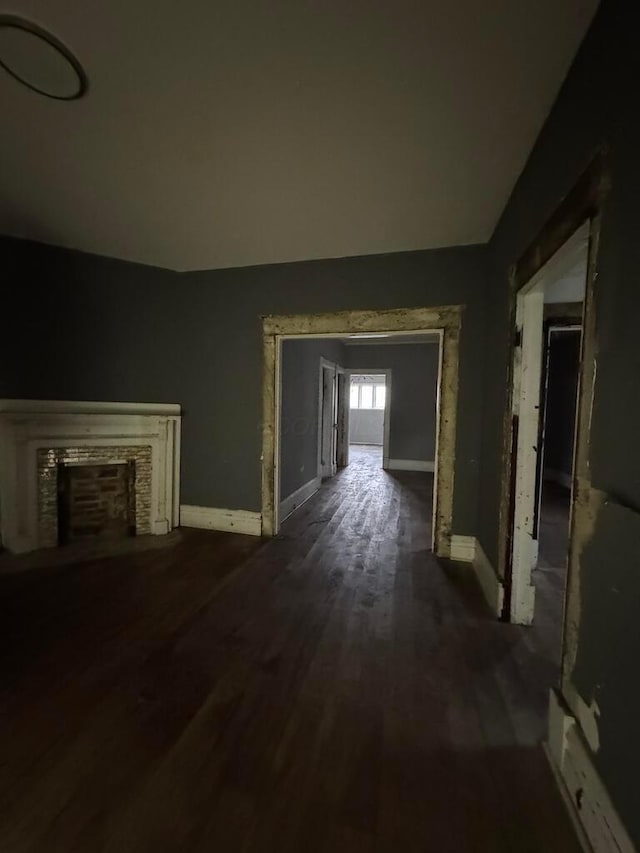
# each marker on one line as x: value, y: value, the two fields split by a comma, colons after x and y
x: 27, y: 426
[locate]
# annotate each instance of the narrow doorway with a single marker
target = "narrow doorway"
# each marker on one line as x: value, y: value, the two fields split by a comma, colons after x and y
x: 546, y: 375
x: 367, y: 418
x: 562, y: 344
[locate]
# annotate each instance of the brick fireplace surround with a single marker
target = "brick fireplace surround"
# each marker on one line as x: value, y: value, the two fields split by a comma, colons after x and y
x: 37, y: 436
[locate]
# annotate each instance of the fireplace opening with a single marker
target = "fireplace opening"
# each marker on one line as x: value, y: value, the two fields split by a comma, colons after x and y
x: 96, y: 501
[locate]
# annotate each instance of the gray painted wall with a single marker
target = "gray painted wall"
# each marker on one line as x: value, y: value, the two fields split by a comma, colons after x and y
x: 88, y: 327
x: 79, y: 326
x: 414, y: 382
x: 562, y: 387
x: 366, y: 426
x: 299, y: 412
x: 596, y: 106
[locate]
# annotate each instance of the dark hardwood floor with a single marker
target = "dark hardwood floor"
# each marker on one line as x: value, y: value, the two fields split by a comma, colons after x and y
x: 333, y: 689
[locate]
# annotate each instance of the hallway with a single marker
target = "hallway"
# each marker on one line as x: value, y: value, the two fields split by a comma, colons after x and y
x: 333, y: 689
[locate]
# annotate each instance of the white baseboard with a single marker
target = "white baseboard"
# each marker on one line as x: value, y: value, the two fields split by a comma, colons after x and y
x: 228, y: 520
x: 559, y: 477
x: 463, y: 548
x: 297, y: 498
x: 582, y: 788
x: 467, y: 549
x: 410, y: 465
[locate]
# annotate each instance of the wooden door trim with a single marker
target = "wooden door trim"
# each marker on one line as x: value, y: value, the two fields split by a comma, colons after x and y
x: 585, y: 203
x: 444, y: 319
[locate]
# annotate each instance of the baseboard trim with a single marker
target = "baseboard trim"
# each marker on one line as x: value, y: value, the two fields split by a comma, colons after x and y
x: 566, y: 799
x: 463, y: 548
x: 559, y: 477
x: 410, y: 465
x: 583, y: 791
x: 226, y: 520
x: 467, y: 549
x: 297, y: 498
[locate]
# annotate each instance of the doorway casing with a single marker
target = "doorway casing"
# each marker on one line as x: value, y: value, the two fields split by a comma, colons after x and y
x: 585, y: 204
x: 528, y: 375
x: 444, y: 320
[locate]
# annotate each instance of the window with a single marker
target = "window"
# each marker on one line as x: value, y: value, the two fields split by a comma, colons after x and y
x: 367, y: 395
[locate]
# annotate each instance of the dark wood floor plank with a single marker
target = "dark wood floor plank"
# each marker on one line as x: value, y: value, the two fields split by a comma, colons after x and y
x: 334, y: 689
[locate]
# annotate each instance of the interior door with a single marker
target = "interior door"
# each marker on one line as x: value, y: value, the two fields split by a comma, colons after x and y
x: 328, y: 422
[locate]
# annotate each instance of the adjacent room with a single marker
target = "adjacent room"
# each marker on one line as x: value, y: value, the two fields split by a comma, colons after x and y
x: 319, y: 493
x: 339, y: 418
x: 367, y: 412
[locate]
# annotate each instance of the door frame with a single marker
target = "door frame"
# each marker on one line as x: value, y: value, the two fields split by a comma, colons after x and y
x: 584, y: 204
x: 386, y: 422
x: 331, y: 367
x: 445, y: 320
x: 528, y: 380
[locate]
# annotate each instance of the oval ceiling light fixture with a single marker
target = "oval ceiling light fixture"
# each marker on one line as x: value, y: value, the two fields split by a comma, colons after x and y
x: 40, y: 61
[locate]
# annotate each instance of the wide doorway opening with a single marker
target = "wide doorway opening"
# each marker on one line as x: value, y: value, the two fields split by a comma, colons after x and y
x: 359, y: 408
x: 310, y: 430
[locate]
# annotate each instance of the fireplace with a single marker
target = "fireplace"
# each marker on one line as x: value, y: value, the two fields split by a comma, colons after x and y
x: 77, y: 468
x: 70, y: 470
x: 96, y: 501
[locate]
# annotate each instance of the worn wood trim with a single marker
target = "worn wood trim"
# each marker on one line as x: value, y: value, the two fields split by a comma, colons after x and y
x: 447, y: 410
x: 214, y: 518
x: 584, y: 203
x: 445, y: 319
x: 597, y: 822
x: 509, y: 443
x: 403, y: 320
x: 302, y: 494
x: 269, y: 422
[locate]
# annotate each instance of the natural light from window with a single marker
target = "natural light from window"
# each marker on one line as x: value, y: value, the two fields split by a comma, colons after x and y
x: 367, y: 395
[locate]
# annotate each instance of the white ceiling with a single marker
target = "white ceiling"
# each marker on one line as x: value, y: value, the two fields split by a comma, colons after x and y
x: 224, y: 133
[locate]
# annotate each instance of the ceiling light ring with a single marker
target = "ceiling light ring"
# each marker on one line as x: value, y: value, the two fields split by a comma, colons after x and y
x: 16, y: 22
